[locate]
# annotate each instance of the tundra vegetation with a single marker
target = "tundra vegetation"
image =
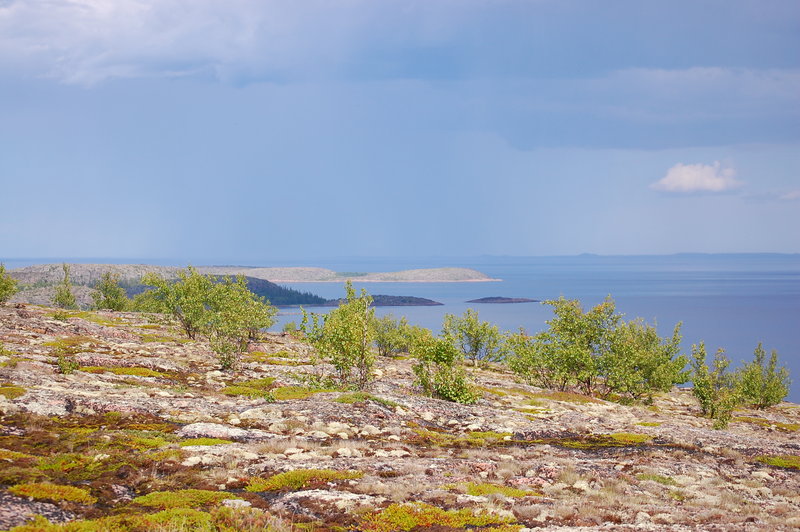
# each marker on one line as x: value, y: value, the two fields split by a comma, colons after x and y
x: 63, y: 297
x: 108, y: 294
x: 344, y: 338
x: 8, y: 285
x: 586, y: 391
x: 224, y: 310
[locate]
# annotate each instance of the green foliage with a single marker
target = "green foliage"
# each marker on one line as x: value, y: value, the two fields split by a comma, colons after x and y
x: 300, y: 479
x: 223, y: 309
x: 11, y: 391
x: 187, y: 299
x: 480, y: 341
x: 53, y: 492
x: 344, y: 338
x: 8, y: 285
x: 204, y: 442
x: 440, y: 372
x: 786, y: 461
x: 640, y: 362
x: 189, y: 498
x: 598, y: 352
x: 236, y: 317
x: 421, y: 516
x: 63, y: 296
x: 763, y: 384
x: 67, y: 365
x: 254, y: 388
x: 717, y: 390
x: 491, y: 489
x: 109, y: 294
x: 391, y: 335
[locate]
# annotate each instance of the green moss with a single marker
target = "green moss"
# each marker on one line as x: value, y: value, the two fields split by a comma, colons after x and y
x: 135, y: 371
x: 488, y: 437
x: 13, y: 456
x: 53, y: 492
x: 489, y: 489
x: 619, y: 439
x: 766, y: 423
x: 173, y: 520
x: 299, y: 479
x: 649, y: 423
x: 189, y: 498
x: 289, y: 393
x: 162, y: 339
x: 362, y: 397
x: 787, y: 461
x: 70, y: 345
x: 629, y: 438
x: 661, y: 479
x: 204, y: 441
x: 12, y: 392
x: 77, y: 467
x: 255, y: 388
x: 410, y: 516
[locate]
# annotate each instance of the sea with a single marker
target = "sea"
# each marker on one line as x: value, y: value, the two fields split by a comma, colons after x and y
x: 729, y: 301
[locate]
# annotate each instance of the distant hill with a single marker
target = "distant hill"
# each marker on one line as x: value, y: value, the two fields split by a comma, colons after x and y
x: 37, y: 282
x: 88, y: 274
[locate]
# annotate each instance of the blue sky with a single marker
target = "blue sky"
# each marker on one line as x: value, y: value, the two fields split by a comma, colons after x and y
x: 257, y: 130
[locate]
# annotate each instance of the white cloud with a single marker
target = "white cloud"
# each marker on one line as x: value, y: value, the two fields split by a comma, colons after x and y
x: 88, y: 41
x: 688, y: 178
x: 792, y: 195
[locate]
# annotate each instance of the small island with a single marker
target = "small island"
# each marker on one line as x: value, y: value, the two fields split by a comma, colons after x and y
x: 500, y: 300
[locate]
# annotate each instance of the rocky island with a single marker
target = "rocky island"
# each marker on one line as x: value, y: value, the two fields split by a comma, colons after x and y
x: 115, y: 421
x: 502, y: 300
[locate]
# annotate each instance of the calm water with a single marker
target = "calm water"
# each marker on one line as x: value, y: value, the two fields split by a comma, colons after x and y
x: 728, y: 301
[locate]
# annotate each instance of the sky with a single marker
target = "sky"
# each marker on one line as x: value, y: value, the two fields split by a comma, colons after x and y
x: 257, y: 130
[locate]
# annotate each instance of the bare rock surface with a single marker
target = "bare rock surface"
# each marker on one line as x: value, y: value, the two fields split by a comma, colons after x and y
x: 145, y: 410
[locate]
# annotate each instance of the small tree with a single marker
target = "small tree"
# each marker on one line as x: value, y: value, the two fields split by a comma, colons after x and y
x: 8, y: 285
x: 344, y: 338
x: 236, y: 316
x: 480, y: 341
x: 440, y: 372
x: 188, y: 299
x: 640, y: 362
x: 109, y: 294
x: 391, y: 335
x: 763, y: 384
x: 715, y: 388
x: 63, y: 296
x: 572, y: 348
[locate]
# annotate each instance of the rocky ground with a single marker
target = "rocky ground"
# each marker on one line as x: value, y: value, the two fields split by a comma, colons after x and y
x: 114, y: 421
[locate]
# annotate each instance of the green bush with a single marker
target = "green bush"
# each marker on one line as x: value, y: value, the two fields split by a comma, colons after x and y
x: 440, y: 371
x: 225, y: 310
x: 63, y: 296
x: 344, y: 338
x: 391, y: 335
x: 640, y: 362
x: 598, y: 352
x: 717, y: 390
x: 109, y: 294
x: 762, y: 383
x: 8, y: 285
x: 480, y: 341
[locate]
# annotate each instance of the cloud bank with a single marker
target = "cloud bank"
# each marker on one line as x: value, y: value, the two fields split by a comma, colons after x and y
x: 691, y: 178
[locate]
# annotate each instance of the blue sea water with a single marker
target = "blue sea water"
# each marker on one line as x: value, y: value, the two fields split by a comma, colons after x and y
x: 728, y: 301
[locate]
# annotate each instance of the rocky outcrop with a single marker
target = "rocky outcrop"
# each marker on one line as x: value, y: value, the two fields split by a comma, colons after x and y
x: 143, y: 410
